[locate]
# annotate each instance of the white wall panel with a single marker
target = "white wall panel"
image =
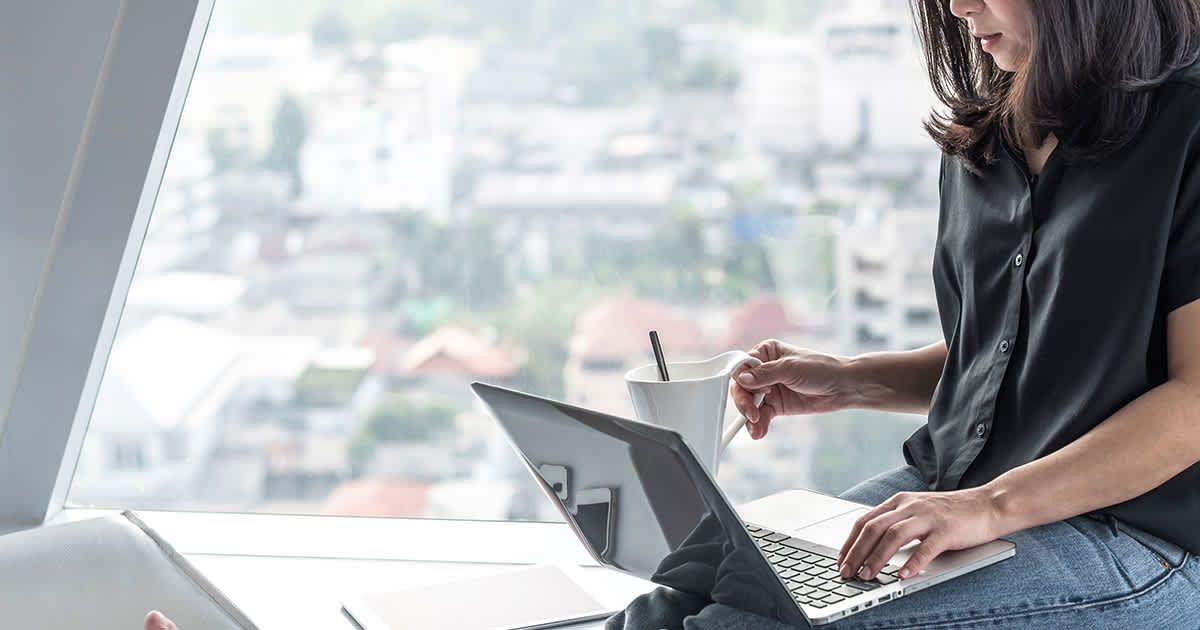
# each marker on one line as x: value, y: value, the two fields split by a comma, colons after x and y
x: 91, y: 92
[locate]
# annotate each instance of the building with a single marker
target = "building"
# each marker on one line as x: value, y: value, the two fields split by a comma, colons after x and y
x: 884, y: 268
x: 157, y: 417
x: 445, y: 361
x: 611, y: 338
x: 874, y: 90
x: 778, y: 93
x: 406, y: 99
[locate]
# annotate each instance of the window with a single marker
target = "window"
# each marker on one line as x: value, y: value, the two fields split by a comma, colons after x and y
x: 128, y: 455
x: 366, y: 208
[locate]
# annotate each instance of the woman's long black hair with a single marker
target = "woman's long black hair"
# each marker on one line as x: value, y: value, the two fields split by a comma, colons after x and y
x: 1091, y: 73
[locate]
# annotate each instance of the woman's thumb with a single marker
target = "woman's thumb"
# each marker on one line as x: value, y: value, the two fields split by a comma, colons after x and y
x: 761, y: 376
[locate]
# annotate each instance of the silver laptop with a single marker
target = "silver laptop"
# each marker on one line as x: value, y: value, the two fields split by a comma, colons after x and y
x: 641, y: 503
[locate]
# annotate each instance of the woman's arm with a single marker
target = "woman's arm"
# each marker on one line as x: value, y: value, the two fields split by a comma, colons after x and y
x: 796, y: 381
x: 902, y: 382
x: 1149, y: 441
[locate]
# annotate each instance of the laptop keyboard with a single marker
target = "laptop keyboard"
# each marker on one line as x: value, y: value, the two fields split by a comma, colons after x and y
x: 810, y: 571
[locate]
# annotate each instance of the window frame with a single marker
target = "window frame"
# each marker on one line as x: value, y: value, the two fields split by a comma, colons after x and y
x: 98, y: 88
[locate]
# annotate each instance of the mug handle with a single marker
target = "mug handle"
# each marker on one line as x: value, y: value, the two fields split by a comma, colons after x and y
x: 732, y: 431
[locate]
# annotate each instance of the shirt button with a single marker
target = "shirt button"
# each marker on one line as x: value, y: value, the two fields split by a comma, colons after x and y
x: 980, y: 430
x: 1005, y: 346
x: 1019, y: 260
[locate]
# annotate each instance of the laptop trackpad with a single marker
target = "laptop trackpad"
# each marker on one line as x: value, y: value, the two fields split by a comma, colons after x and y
x: 833, y: 533
x: 792, y: 510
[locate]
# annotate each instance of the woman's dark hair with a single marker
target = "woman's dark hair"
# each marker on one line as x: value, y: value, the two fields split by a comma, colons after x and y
x: 1091, y: 73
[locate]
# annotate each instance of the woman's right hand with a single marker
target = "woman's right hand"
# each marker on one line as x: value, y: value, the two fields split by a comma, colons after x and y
x: 796, y: 381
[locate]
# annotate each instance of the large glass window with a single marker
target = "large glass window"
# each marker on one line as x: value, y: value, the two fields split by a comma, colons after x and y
x: 370, y: 204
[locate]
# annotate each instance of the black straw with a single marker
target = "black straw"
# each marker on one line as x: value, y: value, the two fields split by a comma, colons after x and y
x: 658, y: 356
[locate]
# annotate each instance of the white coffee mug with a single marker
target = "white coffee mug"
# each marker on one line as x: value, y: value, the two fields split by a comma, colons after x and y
x: 693, y: 402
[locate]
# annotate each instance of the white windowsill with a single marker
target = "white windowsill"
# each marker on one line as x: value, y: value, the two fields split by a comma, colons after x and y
x: 292, y: 572
x: 422, y: 540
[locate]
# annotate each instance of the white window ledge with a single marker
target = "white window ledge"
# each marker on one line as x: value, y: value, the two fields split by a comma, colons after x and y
x: 292, y: 572
x: 414, y: 540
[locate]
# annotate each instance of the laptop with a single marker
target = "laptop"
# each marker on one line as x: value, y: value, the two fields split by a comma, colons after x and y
x: 639, y: 500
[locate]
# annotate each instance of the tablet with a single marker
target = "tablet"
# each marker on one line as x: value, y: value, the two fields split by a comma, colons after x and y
x: 541, y: 596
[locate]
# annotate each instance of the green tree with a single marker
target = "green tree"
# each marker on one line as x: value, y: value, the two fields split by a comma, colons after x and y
x: 331, y: 31
x: 672, y: 264
x: 747, y: 271
x: 224, y: 155
x: 326, y: 387
x: 540, y: 326
x: 289, y: 130
x: 398, y: 420
x: 708, y: 74
x: 664, y: 52
x: 466, y: 262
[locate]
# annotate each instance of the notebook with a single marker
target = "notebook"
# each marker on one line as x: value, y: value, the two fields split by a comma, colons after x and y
x: 105, y: 573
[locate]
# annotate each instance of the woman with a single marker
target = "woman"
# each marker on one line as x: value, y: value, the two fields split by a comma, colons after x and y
x: 1064, y: 404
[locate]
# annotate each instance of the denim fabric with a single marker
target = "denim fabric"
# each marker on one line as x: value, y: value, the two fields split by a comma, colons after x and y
x: 1069, y: 574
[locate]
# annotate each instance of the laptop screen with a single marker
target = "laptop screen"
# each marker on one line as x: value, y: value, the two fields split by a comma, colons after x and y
x: 640, y: 501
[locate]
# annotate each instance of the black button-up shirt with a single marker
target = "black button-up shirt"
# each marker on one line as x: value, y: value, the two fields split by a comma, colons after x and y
x: 1053, y: 294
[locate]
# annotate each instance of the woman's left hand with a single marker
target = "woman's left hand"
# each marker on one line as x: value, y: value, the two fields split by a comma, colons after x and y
x: 939, y: 520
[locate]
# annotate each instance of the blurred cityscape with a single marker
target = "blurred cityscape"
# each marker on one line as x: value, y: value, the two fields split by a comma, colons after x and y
x: 366, y: 208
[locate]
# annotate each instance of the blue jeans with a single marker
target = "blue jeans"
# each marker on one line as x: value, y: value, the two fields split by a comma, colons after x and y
x: 1069, y: 574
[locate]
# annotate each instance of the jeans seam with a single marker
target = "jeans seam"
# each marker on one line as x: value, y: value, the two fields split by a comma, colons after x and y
x: 1111, y: 554
x: 1048, y: 610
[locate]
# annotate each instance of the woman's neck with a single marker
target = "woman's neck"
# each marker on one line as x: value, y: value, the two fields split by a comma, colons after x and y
x: 1037, y: 157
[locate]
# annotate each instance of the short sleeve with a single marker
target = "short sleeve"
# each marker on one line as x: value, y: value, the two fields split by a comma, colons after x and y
x: 1181, y: 276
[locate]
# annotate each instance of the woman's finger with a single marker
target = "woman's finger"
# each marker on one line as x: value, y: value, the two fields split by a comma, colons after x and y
x: 765, y: 413
x: 743, y: 399
x: 899, y: 534
x: 861, y: 521
x: 932, y: 546
x: 867, y: 532
x: 156, y: 621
